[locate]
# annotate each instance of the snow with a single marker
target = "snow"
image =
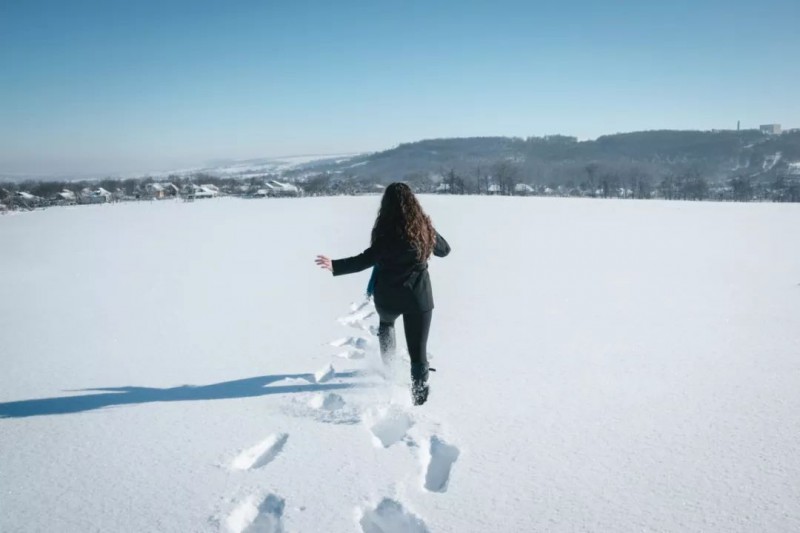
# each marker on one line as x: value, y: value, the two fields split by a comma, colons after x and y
x: 601, y: 366
x: 297, y: 160
x: 261, y: 454
x: 262, y: 515
x: 330, y: 402
x: 770, y: 161
x: 324, y: 374
x: 66, y: 195
x: 441, y: 459
x: 254, y: 167
x: 390, y: 517
x: 275, y: 164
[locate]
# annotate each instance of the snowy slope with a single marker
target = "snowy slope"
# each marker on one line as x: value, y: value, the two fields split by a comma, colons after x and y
x: 277, y: 164
x: 259, y: 167
x: 602, y: 366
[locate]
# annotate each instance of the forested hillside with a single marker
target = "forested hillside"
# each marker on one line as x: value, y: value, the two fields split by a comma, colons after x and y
x: 652, y: 156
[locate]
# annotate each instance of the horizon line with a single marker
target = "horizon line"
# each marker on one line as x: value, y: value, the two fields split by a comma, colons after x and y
x: 228, y: 162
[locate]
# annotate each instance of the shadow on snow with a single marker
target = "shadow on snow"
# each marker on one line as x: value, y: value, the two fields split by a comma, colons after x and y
x: 107, y: 396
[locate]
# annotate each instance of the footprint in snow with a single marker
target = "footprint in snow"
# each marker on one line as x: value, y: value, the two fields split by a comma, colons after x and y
x: 327, y: 402
x: 261, y: 454
x: 440, y: 461
x: 355, y: 342
x: 324, y: 374
x: 389, y: 516
x: 328, y: 408
x: 355, y: 307
x: 356, y: 319
x: 391, y: 426
x: 256, y: 515
x: 353, y: 353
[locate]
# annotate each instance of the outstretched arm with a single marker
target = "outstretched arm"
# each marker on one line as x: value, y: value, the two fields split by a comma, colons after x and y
x: 441, y: 248
x: 349, y: 265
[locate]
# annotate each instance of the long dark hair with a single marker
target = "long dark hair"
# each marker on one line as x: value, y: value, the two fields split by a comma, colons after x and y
x: 401, y: 217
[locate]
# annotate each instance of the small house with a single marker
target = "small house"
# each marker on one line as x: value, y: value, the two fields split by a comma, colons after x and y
x: 199, y: 192
x: 523, y: 189
x: 65, y: 197
x: 95, y: 196
x: 283, y: 189
x: 159, y: 191
x: 26, y: 200
x: 154, y: 190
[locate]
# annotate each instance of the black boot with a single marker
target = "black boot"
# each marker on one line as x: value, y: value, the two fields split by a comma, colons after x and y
x: 419, y: 383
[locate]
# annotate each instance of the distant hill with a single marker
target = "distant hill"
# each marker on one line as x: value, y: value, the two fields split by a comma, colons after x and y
x: 624, y: 158
x: 716, y: 156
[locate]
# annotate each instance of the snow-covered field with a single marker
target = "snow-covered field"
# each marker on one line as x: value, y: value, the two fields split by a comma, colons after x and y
x: 602, y: 366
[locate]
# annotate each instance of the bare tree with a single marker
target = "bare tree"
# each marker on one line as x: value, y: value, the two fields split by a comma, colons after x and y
x: 506, y: 174
x: 454, y: 182
x: 742, y: 189
x: 591, y: 173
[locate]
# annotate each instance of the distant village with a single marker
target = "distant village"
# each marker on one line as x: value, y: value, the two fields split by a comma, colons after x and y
x: 42, y: 195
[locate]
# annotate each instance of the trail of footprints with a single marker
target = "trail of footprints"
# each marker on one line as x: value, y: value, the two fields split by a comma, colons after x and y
x: 263, y: 513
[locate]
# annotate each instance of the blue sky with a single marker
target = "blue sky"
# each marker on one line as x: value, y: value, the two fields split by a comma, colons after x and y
x: 122, y: 86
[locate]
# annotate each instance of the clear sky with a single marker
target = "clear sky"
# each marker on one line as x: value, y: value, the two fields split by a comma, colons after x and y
x: 127, y: 86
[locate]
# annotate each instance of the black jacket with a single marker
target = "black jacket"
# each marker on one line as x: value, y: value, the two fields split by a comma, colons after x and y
x: 402, y: 283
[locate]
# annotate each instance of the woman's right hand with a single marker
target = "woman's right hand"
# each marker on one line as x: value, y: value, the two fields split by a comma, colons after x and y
x: 324, y: 262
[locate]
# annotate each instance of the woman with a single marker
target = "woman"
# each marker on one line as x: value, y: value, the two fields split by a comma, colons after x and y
x: 403, y: 240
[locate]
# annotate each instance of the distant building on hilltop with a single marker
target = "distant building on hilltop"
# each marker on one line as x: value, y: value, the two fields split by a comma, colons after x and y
x: 771, y: 129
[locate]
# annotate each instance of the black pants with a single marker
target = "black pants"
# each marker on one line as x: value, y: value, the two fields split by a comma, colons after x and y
x: 417, y: 326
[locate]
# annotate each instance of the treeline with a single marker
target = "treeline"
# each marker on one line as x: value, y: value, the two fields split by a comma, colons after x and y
x: 596, y: 181
x: 501, y: 178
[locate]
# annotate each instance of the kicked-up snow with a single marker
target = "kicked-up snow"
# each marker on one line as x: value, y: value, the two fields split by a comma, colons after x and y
x: 601, y: 366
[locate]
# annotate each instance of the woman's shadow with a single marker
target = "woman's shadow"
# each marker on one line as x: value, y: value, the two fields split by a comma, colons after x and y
x: 108, y: 396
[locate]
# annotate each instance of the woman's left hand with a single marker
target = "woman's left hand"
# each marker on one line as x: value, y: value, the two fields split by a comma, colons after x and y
x: 324, y: 262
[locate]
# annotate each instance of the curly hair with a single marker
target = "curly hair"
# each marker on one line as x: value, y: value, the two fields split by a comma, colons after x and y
x: 401, y: 217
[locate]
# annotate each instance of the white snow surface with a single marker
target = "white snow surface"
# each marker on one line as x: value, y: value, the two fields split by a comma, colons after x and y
x: 770, y: 161
x: 601, y: 366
